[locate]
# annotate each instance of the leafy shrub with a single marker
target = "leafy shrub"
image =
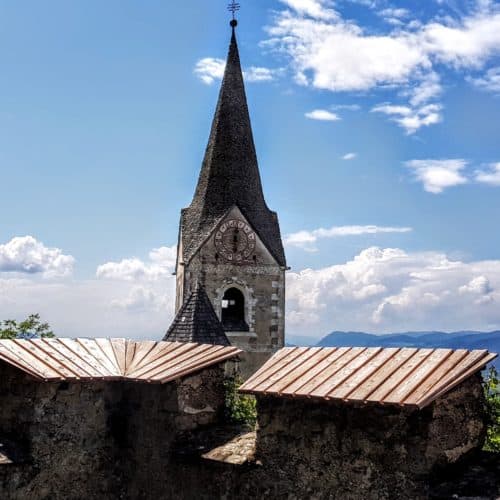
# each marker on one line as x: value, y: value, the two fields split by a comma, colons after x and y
x: 240, y: 408
x: 492, y: 392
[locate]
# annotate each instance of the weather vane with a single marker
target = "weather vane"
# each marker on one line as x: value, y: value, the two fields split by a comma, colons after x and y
x: 234, y: 7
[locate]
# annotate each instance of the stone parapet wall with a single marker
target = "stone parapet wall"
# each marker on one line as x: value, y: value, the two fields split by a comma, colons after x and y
x: 98, y: 439
x: 358, y: 450
x: 114, y: 441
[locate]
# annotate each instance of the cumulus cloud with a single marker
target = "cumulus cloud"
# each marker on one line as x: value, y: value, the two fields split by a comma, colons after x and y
x: 380, y: 289
x: 350, y: 156
x: 211, y: 69
x: 329, y: 52
x: 438, y: 175
x: 161, y: 264
x: 131, y: 298
x: 27, y: 255
x: 307, y: 239
x: 323, y: 115
x: 489, y: 176
x: 393, y: 290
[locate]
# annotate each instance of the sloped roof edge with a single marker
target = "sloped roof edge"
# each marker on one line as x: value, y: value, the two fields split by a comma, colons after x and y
x: 111, y: 359
x: 406, y: 377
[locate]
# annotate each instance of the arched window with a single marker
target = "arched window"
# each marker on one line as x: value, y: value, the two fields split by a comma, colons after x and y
x: 233, y: 311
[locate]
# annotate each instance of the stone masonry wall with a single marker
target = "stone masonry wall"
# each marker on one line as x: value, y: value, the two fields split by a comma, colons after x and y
x: 114, y: 440
x: 369, y: 451
x: 319, y: 450
x: 98, y: 439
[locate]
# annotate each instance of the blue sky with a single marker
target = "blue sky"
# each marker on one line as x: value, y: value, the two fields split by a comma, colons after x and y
x: 376, y: 124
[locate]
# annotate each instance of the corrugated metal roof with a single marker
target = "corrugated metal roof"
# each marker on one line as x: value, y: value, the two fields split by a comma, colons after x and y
x: 111, y: 359
x: 405, y: 377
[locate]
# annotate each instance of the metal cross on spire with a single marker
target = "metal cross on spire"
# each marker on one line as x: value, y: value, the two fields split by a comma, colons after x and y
x: 234, y: 7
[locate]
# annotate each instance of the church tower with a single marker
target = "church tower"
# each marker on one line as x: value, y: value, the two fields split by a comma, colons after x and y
x: 229, y: 241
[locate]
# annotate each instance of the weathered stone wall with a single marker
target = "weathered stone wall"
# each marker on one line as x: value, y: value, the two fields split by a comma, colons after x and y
x: 98, y: 439
x: 368, y: 451
x: 115, y: 440
x: 66, y: 432
x: 335, y: 451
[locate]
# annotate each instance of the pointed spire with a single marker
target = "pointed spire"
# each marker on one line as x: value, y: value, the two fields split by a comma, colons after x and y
x: 230, y: 173
x: 197, y: 322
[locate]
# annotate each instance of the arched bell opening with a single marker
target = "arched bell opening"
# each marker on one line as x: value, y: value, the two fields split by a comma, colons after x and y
x: 233, y: 311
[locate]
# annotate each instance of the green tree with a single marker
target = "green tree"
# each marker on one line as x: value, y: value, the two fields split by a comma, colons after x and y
x: 31, y: 327
x: 492, y: 392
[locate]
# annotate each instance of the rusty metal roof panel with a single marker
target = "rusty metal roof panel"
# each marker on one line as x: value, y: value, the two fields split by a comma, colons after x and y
x: 398, y: 376
x: 111, y: 359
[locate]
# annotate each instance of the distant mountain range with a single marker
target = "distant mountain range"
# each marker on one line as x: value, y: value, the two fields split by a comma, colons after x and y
x: 455, y: 340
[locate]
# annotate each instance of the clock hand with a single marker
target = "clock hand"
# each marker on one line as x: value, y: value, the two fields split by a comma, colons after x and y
x: 235, y: 241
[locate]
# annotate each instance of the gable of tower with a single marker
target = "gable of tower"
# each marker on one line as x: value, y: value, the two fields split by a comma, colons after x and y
x: 216, y: 246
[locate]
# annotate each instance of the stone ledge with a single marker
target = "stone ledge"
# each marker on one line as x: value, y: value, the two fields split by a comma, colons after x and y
x: 238, y: 451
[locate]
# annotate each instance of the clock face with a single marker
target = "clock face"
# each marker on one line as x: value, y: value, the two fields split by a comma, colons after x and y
x: 235, y: 241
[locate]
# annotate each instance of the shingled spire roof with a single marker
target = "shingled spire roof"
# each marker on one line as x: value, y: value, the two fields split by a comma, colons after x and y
x: 196, y: 322
x: 230, y: 173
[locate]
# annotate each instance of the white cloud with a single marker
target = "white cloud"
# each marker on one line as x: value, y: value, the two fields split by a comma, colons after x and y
x: 428, y: 88
x: 258, y: 74
x: 93, y: 308
x: 466, y: 44
x: 350, y: 156
x: 318, y: 9
x: 394, y: 16
x: 142, y: 298
x: 340, y: 57
x: 490, y: 176
x: 27, y: 255
x: 337, y: 54
x: 437, y: 175
x: 490, y: 81
x: 161, y: 264
x: 131, y: 298
x: 322, y: 115
x: 411, y: 119
x: 307, y: 239
x: 210, y: 70
x: 393, y: 290
x: 479, y: 286
x: 378, y: 290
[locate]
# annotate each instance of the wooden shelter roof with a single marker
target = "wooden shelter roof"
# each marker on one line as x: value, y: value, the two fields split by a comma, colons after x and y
x: 404, y: 377
x: 111, y: 359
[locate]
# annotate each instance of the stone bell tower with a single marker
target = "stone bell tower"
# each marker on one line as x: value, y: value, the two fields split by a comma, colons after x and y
x: 229, y: 240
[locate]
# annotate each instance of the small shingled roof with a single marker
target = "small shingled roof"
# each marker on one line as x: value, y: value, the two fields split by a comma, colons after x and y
x: 405, y: 377
x: 197, y: 322
x: 111, y: 359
